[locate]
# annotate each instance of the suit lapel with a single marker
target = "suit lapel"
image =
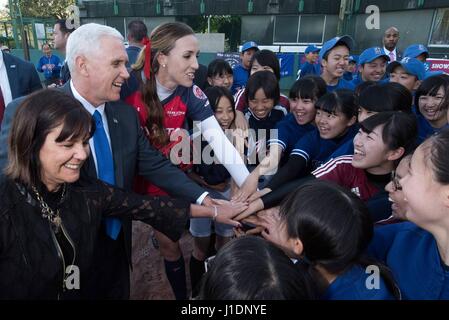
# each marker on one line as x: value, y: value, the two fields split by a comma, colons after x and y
x: 13, y: 75
x: 116, y: 143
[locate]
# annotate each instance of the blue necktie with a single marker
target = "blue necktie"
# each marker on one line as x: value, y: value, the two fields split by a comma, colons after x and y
x: 105, y: 165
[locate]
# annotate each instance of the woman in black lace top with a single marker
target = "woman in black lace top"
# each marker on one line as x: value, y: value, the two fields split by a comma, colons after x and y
x: 49, y: 217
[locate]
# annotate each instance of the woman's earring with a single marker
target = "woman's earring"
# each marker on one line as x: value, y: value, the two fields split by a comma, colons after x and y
x: 163, y: 66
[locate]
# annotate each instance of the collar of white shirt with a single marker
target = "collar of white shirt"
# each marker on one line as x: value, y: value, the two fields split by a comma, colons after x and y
x: 86, y: 104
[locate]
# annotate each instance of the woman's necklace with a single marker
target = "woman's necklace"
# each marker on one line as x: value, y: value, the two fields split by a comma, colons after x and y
x: 47, y: 212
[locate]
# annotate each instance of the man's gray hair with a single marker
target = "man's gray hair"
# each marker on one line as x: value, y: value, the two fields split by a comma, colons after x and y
x: 86, y: 41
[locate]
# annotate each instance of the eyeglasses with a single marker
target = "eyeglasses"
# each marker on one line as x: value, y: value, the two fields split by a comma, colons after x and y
x: 395, y: 181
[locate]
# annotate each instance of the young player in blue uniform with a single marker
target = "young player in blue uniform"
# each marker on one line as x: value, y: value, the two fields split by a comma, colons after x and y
x: 409, y: 72
x: 335, y: 119
x: 329, y: 228
x: 379, y: 145
x: 262, y: 60
x: 381, y: 142
x: 304, y: 93
x: 241, y: 71
x: 432, y: 99
x: 417, y: 251
x: 373, y: 66
x: 263, y: 113
x: 334, y: 57
x: 310, y: 67
x: 418, y: 51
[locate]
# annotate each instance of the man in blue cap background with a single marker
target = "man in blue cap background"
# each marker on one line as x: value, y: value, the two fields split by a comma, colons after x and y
x: 351, y: 70
x: 310, y: 66
x: 418, y: 51
x: 241, y: 71
x: 409, y: 72
x: 373, y: 65
x: 334, y: 57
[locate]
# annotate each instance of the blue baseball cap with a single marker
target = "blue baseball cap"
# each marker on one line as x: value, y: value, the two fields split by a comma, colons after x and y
x: 311, y: 48
x: 411, y: 65
x: 371, y: 54
x: 415, y: 50
x: 353, y: 59
x: 432, y: 73
x: 249, y: 45
x: 330, y: 44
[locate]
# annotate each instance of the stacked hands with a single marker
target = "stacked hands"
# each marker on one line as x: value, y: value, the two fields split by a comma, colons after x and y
x: 245, y: 211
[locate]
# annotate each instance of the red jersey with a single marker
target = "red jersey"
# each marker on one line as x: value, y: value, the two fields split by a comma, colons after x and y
x: 184, y: 102
x: 341, y: 171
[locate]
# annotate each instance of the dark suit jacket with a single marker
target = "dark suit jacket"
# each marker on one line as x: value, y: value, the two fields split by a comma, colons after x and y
x: 132, y: 155
x: 22, y: 76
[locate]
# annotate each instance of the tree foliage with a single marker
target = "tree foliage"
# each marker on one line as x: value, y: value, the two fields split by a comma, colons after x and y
x: 44, y: 8
x: 229, y: 25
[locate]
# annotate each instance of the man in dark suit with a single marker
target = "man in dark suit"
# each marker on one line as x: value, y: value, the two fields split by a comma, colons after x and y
x: 98, y: 71
x: 390, y: 42
x: 60, y: 35
x: 17, y: 78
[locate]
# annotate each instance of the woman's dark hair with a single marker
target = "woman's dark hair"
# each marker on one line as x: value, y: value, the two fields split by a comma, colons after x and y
x: 308, y: 87
x: 37, y: 115
x: 266, y: 81
x: 214, y: 95
x: 251, y: 268
x: 383, y: 97
x: 340, y: 100
x: 399, y: 129
x: 438, y: 146
x: 218, y: 67
x: 334, y: 226
x: 430, y: 87
x: 362, y: 86
x: 267, y: 58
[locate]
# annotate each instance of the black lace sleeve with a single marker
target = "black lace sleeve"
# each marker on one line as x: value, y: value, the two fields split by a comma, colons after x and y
x: 167, y: 215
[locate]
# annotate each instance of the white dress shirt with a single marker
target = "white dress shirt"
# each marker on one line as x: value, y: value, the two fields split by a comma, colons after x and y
x: 4, y: 81
x: 91, y: 109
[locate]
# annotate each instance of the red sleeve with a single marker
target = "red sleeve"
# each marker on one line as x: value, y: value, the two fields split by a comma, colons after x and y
x: 334, y: 170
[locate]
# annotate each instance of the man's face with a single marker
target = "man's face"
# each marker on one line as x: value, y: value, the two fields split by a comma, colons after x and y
x: 105, y: 71
x: 246, y: 57
x: 391, y: 38
x: 46, y: 50
x: 59, y: 38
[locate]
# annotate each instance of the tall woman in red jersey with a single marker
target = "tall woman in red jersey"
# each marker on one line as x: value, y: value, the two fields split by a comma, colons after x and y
x: 161, y: 89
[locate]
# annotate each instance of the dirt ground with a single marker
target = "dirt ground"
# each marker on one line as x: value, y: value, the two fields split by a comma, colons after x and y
x: 148, y: 280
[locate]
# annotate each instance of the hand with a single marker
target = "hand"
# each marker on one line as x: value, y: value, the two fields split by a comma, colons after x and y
x: 44, y: 67
x: 252, y: 208
x: 228, y: 210
x: 258, y: 194
x: 240, y: 121
x: 248, y: 187
x: 275, y: 228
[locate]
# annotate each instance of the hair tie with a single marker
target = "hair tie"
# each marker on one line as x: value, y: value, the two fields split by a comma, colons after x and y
x: 147, y: 65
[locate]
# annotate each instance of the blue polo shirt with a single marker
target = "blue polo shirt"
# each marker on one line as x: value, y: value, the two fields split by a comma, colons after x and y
x: 309, y: 68
x: 289, y: 131
x: 241, y: 76
x: 316, y: 150
x: 412, y: 255
x: 425, y: 129
x: 342, y: 84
